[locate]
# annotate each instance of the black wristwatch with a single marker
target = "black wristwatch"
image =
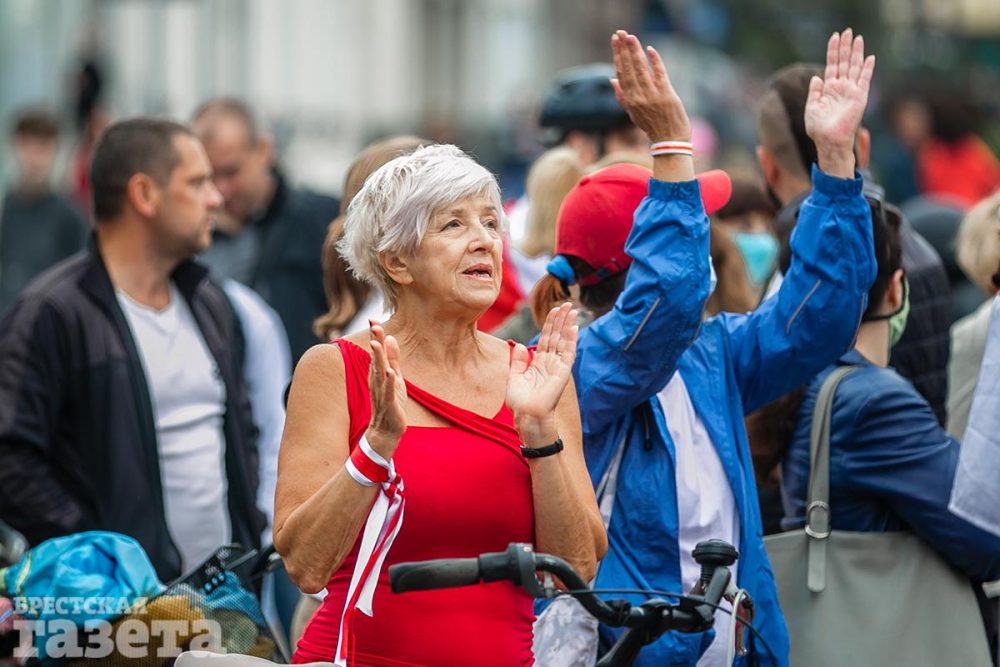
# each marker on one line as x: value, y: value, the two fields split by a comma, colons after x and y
x: 541, y: 452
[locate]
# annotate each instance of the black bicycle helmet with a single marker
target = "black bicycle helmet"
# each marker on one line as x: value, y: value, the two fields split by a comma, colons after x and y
x: 581, y: 98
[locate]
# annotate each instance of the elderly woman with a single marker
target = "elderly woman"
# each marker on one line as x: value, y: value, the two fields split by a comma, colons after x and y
x: 476, y: 438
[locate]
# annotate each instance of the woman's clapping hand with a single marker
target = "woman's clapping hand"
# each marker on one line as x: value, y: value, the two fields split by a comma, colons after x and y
x: 534, y: 389
x: 388, y: 393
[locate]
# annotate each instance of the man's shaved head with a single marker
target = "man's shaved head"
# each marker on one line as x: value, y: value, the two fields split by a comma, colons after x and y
x: 781, y: 125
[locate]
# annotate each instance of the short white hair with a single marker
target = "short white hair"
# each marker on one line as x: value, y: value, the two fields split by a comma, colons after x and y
x: 394, y: 206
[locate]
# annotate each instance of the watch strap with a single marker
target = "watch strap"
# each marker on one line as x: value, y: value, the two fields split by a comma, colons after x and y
x: 541, y: 452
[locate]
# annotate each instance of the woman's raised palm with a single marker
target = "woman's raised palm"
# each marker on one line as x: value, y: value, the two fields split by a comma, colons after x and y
x: 534, y: 389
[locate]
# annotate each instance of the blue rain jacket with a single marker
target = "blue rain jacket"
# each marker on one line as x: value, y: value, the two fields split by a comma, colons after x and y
x: 731, y: 364
x: 891, y: 467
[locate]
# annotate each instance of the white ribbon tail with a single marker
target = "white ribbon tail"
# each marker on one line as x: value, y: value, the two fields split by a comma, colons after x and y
x: 368, y: 587
x: 381, y: 528
x: 373, y: 526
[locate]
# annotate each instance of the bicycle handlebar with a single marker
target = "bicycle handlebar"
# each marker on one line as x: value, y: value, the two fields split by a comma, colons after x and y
x: 519, y: 565
x: 431, y: 574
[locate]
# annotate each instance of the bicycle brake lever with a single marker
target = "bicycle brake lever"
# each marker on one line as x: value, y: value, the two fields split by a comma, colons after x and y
x: 743, y: 614
x: 549, y: 587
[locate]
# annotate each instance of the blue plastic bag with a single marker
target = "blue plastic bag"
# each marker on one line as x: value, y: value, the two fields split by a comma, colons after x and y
x: 83, y: 577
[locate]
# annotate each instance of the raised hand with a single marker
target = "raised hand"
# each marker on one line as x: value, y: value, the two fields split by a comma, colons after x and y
x: 534, y: 390
x: 388, y: 393
x: 837, y: 102
x: 643, y: 88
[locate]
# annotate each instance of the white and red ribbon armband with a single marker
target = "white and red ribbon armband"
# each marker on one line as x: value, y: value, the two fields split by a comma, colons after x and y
x: 369, y: 468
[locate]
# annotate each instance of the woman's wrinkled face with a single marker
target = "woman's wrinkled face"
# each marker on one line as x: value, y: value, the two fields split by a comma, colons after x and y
x: 459, y: 260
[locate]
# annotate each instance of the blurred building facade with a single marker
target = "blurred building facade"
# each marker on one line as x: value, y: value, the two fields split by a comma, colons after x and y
x: 326, y: 75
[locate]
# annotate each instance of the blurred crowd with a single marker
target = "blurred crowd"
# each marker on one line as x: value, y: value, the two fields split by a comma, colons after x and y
x: 157, y: 299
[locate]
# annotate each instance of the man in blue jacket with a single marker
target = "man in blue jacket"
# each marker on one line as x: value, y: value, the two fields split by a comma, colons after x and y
x: 663, y: 395
x: 892, y: 466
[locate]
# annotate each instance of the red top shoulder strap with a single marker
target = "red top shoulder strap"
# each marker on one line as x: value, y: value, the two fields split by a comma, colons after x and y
x: 359, y: 405
x: 511, y: 344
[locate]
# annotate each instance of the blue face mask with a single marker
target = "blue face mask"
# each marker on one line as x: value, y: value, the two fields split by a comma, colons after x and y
x: 760, y: 252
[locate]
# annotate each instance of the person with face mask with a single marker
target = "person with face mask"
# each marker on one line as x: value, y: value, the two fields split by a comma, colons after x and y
x: 759, y: 250
x: 892, y: 466
x: 749, y: 220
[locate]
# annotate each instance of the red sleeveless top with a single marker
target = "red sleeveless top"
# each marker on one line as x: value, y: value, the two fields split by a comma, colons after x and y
x: 468, y: 491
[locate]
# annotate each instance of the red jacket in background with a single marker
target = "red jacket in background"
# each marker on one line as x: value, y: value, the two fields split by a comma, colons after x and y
x: 964, y: 172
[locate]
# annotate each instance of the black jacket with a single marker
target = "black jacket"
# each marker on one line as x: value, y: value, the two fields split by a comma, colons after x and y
x: 279, y: 255
x: 78, y: 445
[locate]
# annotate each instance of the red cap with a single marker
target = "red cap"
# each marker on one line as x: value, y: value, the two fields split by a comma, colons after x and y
x: 596, y: 216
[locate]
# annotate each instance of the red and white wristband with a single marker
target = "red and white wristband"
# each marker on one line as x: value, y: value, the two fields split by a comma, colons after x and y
x: 672, y: 148
x: 369, y: 468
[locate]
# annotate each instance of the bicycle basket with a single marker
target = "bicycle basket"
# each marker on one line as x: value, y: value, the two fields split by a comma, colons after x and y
x: 211, y: 608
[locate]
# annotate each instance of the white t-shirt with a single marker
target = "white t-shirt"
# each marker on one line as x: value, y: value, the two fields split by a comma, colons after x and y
x: 267, y: 369
x: 189, y: 405
x: 706, y: 507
